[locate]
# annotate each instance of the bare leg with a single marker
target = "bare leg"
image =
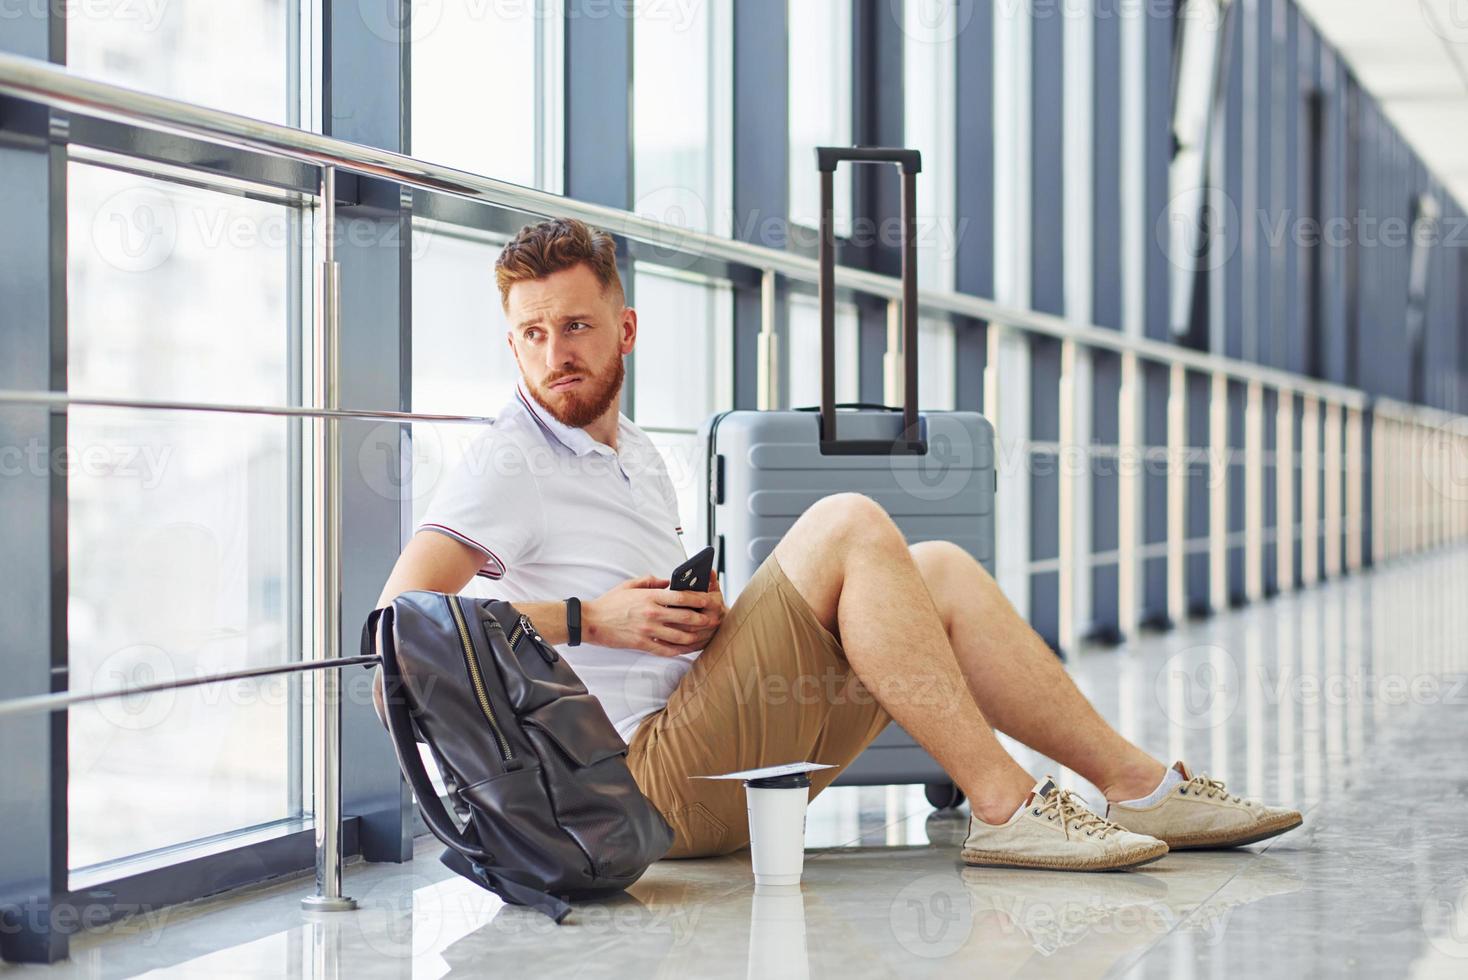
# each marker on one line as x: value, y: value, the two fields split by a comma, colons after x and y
x: 1011, y: 671
x: 852, y: 566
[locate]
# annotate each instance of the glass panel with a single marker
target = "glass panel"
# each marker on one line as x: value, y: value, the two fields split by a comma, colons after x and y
x: 936, y: 360
x: 462, y: 363
x: 805, y: 351
x: 238, y: 55
x: 820, y: 107
x: 683, y: 114
x: 685, y: 371
x: 181, y: 539
x: 930, y: 31
x: 1198, y: 47
x: 486, y: 90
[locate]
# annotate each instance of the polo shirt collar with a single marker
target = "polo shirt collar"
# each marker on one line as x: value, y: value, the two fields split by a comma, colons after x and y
x: 576, y: 439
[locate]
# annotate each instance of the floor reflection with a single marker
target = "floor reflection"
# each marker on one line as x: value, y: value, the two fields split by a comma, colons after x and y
x: 1346, y: 700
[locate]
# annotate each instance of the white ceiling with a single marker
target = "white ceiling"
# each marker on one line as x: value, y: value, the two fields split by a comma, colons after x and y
x: 1412, y: 56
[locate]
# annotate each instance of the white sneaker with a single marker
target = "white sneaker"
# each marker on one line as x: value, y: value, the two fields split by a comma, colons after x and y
x: 1200, y: 812
x: 1056, y: 830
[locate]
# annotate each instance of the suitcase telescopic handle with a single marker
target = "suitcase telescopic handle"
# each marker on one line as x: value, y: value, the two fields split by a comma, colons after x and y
x: 909, y: 162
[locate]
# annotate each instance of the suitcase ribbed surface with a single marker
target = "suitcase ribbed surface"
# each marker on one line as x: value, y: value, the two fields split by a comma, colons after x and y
x: 772, y: 471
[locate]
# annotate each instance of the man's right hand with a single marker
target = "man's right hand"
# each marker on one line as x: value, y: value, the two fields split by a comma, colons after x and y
x: 641, y: 614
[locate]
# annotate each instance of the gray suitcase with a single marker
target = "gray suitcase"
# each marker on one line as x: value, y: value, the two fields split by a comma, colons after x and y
x: 932, y: 471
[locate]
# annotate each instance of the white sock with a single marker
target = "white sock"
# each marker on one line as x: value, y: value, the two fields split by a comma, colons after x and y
x: 1171, y: 779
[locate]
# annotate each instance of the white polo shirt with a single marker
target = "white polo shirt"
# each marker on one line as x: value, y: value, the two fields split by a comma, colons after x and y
x: 558, y: 514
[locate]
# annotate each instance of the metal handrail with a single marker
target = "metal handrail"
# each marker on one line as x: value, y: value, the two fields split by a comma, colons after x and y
x: 56, y: 399
x: 62, y: 400
x: 51, y: 85
x: 41, y: 703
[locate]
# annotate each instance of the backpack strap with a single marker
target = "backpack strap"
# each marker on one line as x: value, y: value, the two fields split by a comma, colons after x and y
x: 400, y: 727
x: 499, y: 881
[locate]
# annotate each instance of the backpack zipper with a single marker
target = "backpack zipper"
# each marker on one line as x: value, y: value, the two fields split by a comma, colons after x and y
x: 522, y: 628
x: 471, y: 660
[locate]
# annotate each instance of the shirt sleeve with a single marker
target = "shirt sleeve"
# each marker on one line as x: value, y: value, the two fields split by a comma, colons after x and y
x: 490, y: 502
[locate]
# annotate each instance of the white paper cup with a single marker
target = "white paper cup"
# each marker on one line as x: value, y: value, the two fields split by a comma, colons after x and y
x: 777, y: 828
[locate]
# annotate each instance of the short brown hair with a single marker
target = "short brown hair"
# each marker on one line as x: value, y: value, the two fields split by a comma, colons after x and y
x: 536, y: 251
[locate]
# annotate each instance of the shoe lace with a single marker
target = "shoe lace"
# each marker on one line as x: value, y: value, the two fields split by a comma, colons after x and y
x: 1073, y: 814
x: 1204, y: 785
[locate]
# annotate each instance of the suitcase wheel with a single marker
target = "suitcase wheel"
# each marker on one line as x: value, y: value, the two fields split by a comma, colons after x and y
x: 943, y: 796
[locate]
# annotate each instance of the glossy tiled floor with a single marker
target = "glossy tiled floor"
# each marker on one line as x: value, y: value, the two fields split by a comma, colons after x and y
x: 1349, y: 701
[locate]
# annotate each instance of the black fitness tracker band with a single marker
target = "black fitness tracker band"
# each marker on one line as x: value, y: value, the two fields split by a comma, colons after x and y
x: 573, y: 622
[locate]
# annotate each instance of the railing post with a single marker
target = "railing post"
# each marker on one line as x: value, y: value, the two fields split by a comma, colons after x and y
x: 1438, y: 485
x: 1458, y: 482
x: 1006, y: 405
x: 1394, y: 501
x: 1218, y: 459
x: 1074, y: 467
x: 1310, y: 491
x: 1412, y: 489
x: 1284, y: 491
x: 1129, y: 497
x: 1177, y: 493
x: 1254, y: 492
x: 1380, y: 437
x: 894, y: 357
x: 326, y: 567
x: 1419, y: 483
x: 767, y: 363
x: 1332, y: 476
x: 1355, y: 474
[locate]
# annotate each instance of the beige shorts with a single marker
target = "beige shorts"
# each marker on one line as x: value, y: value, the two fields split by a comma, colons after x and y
x: 772, y: 686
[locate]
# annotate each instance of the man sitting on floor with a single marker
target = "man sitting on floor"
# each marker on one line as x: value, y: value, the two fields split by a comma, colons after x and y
x: 565, y: 497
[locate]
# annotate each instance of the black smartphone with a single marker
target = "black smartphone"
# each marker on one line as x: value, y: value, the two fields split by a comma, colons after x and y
x: 693, y: 575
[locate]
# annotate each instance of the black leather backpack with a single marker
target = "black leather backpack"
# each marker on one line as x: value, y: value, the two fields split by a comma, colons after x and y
x: 530, y: 760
